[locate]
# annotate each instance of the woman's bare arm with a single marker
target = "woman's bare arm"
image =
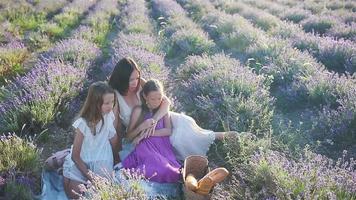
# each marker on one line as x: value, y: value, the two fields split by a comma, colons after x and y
x: 134, y: 130
x: 163, y: 108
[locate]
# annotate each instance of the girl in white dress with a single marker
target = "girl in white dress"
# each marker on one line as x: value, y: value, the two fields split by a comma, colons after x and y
x: 92, y: 149
x: 187, y: 137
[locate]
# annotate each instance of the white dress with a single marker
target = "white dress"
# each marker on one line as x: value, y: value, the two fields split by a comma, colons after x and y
x: 187, y: 137
x: 96, y: 151
x: 125, y: 109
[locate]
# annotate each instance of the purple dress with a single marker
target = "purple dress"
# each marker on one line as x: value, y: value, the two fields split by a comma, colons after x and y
x: 155, y: 158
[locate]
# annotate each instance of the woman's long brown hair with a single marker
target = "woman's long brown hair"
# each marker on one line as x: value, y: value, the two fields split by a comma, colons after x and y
x: 120, y: 76
x: 91, y: 110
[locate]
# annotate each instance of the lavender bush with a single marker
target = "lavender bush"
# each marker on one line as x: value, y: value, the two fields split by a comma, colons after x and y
x: 343, y: 31
x: 152, y: 64
x: 39, y: 95
x: 112, y: 188
x: 318, y: 24
x: 19, y: 154
x: 136, y: 20
x: 67, y: 19
x: 238, y: 95
x: 77, y: 52
x: 97, y: 25
x: 12, y: 56
x: 271, y: 174
x: 142, y: 47
x: 139, y: 40
x: 335, y: 128
x: 295, y: 15
x: 190, y: 42
x: 261, y: 19
x: 187, y: 38
x: 336, y: 55
x: 23, y: 16
x: 297, y: 78
x: 48, y: 6
x: 19, y: 167
x: 276, y: 55
x: 166, y: 8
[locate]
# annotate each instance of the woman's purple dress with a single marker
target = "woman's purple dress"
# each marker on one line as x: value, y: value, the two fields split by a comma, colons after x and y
x: 154, y: 156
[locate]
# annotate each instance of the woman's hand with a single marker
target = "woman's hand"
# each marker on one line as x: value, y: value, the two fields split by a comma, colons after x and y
x: 137, y: 139
x: 150, y: 131
x: 148, y: 123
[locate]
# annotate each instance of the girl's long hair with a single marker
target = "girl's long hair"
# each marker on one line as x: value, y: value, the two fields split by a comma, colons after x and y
x: 150, y: 86
x: 91, y: 110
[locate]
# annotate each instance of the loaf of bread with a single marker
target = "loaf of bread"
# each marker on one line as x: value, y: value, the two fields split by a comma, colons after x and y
x: 191, y: 182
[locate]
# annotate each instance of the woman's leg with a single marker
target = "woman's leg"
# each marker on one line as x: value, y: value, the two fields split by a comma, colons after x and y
x: 73, y: 188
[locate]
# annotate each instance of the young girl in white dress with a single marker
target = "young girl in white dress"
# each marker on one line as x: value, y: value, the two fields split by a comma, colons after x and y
x: 93, y: 146
x: 187, y: 137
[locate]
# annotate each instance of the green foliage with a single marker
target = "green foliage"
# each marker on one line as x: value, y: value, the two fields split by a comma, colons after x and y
x: 15, y: 191
x: 11, y: 61
x: 18, y: 154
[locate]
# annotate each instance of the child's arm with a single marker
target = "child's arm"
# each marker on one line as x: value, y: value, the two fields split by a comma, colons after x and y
x: 167, y: 130
x: 163, y: 108
x: 77, y: 146
x: 113, y: 142
x: 161, y: 112
x: 133, y: 131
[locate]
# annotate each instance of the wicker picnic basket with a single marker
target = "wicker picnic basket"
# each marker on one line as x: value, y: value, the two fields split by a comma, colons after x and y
x: 198, y: 166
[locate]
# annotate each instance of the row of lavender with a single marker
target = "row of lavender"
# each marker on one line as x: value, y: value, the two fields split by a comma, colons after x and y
x: 135, y: 39
x: 239, y: 99
x: 185, y: 37
x: 17, y: 41
x: 315, y: 18
x: 35, y: 98
x: 28, y: 31
x: 196, y: 76
x: 318, y: 7
x: 44, y: 92
x: 336, y: 55
x: 327, y: 101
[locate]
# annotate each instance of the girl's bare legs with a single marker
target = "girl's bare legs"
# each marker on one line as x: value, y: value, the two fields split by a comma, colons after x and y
x: 223, y: 135
x: 72, y: 188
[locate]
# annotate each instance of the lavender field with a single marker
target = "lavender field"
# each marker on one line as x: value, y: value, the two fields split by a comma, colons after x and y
x: 282, y: 73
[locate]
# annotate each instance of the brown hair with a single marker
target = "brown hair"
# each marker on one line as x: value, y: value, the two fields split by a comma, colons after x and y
x: 91, y: 110
x: 120, y: 76
x: 150, y: 86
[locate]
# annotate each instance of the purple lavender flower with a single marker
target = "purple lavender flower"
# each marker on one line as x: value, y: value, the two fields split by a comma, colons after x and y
x: 232, y: 85
x: 136, y: 19
x: 49, y: 83
x: 167, y: 8
x: 79, y: 53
